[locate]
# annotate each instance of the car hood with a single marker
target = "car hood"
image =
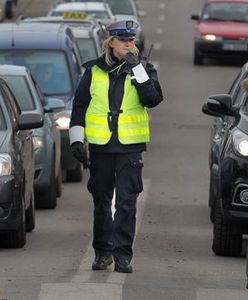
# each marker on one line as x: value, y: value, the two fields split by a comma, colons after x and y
x: 243, y: 121
x: 226, y: 29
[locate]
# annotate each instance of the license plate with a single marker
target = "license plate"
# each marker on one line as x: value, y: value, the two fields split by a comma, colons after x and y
x: 235, y: 47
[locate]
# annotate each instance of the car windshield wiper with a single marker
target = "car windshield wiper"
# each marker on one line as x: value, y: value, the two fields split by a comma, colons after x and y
x: 237, y: 20
x: 214, y: 19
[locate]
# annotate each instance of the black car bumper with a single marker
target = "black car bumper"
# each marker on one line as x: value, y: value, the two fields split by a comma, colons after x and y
x: 221, y: 48
x: 10, y: 203
x: 234, y: 188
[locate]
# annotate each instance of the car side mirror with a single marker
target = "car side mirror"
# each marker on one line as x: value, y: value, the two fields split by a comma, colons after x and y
x: 54, y: 105
x: 195, y: 17
x: 219, y: 105
x: 29, y: 121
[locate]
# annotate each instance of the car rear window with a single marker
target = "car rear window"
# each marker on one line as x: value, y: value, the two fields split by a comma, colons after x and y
x: 49, y: 68
x: 226, y: 11
x: 87, y: 49
x: 21, y: 91
x: 123, y: 7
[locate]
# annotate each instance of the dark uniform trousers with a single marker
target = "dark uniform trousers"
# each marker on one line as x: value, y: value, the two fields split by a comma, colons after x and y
x: 121, y: 172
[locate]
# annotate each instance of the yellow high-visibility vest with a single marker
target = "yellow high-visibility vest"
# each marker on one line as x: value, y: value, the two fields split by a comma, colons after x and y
x: 133, y: 121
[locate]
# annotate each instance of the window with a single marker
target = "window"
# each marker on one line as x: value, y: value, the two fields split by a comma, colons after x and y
x: 123, y: 7
x: 2, y: 120
x: 226, y: 11
x: 11, y: 104
x: 49, y: 68
x: 21, y: 91
x: 87, y: 49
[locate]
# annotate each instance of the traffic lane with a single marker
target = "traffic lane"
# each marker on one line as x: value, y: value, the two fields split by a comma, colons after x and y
x: 173, y: 248
x: 53, y: 250
x: 171, y: 195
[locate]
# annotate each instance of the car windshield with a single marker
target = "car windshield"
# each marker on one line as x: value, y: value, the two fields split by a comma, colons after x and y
x: 87, y: 49
x: 49, y: 68
x: 121, y: 7
x: 90, y: 13
x: 2, y: 121
x: 226, y: 11
x: 21, y: 91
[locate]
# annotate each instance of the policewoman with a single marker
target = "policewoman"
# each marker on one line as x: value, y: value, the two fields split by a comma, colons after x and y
x: 109, y: 111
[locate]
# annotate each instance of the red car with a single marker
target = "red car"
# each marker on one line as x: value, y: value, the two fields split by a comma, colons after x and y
x: 221, y: 30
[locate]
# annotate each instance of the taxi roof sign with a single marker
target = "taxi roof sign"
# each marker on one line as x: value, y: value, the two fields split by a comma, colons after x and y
x: 75, y: 15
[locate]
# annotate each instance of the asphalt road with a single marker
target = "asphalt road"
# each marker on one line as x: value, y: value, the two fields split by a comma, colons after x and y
x: 172, y: 254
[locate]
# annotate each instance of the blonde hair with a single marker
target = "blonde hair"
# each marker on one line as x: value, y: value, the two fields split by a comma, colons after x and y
x: 107, y: 50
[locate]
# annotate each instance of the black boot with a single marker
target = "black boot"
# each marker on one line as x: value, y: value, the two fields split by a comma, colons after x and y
x: 101, y: 262
x: 123, y: 266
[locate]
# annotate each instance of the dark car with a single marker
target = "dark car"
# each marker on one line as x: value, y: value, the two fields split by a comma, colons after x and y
x: 17, y: 214
x: 46, y: 140
x: 228, y: 162
x: 51, y: 53
x: 221, y: 30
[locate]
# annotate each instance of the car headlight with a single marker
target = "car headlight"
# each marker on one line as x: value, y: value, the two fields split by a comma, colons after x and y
x: 211, y: 37
x: 37, y: 142
x: 63, y: 119
x: 240, y: 141
x: 5, y: 164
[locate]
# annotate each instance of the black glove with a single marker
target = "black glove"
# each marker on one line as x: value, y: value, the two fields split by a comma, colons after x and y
x: 78, y: 151
x: 132, y: 59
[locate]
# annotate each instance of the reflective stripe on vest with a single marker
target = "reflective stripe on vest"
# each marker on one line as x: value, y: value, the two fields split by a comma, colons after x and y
x: 133, y: 121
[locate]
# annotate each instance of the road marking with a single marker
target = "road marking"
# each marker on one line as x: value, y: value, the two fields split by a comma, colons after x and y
x: 218, y: 294
x: 78, y: 291
x: 159, y: 31
x: 85, y: 280
x: 157, y: 46
x: 162, y: 18
x: 162, y: 5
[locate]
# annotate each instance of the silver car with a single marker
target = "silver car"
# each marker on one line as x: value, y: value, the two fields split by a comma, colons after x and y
x: 46, y: 140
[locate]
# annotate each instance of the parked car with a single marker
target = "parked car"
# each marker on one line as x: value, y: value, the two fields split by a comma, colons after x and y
x: 221, y: 30
x: 6, y: 9
x: 228, y: 162
x: 125, y: 10
x: 17, y: 214
x: 46, y: 140
x: 52, y: 55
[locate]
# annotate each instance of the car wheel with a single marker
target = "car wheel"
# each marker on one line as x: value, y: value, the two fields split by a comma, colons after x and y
x: 59, y: 183
x: 75, y: 175
x: 225, y: 242
x: 30, y: 215
x: 9, y: 10
x: 16, y: 238
x: 198, y: 59
x: 48, y: 198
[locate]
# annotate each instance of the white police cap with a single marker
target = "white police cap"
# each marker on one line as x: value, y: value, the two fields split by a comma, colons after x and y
x: 124, y: 28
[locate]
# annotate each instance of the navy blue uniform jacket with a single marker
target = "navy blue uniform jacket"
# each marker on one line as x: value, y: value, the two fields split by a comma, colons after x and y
x: 150, y: 95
